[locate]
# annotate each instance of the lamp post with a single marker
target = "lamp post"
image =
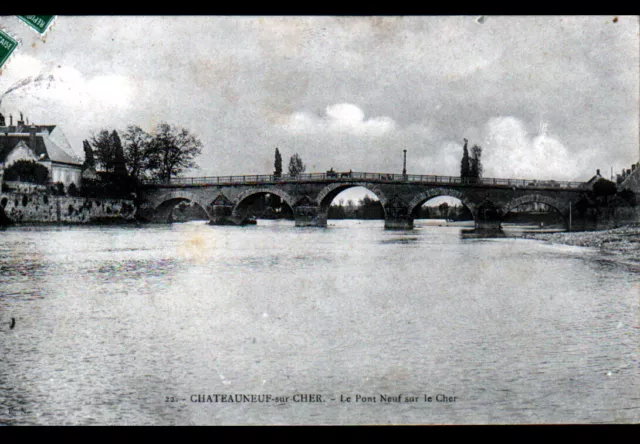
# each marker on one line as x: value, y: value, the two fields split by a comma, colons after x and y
x: 404, y: 164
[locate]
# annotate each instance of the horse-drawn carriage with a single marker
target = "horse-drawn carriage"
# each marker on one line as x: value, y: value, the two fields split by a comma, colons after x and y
x: 332, y: 173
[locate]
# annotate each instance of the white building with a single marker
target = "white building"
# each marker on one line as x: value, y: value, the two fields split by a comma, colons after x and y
x: 45, y: 144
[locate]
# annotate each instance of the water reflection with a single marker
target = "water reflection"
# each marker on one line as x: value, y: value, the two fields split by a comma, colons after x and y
x: 401, y: 240
x: 476, y: 233
x: 507, y: 231
x: 27, y: 267
x: 520, y: 331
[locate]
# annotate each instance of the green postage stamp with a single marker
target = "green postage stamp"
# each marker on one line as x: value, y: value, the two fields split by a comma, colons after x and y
x: 7, y: 45
x: 38, y: 22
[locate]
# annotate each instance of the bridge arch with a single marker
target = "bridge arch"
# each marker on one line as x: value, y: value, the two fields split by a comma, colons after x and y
x: 241, y: 202
x: 328, y: 193
x: 167, y: 202
x: 421, y: 198
x: 531, y: 198
x: 563, y: 210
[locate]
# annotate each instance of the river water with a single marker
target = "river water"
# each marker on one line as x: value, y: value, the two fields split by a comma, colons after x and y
x: 128, y: 325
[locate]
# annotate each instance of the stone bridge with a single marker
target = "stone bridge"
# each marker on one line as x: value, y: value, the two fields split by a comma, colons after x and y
x: 226, y: 199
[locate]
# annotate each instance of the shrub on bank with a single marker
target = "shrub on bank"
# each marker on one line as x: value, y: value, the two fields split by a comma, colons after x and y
x: 73, y: 190
x: 27, y: 171
x: 57, y: 189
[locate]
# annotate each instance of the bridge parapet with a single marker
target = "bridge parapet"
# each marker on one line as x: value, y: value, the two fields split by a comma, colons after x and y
x: 356, y: 177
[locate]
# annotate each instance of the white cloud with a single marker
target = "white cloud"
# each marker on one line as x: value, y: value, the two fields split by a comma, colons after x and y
x: 345, y: 114
x: 21, y: 66
x: 509, y: 151
x: 391, y: 83
x: 62, y: 88
x: 64, y: 96
x: 340, y: 117
x: 111, y: 89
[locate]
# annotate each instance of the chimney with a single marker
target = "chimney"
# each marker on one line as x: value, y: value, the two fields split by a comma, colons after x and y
x: 597, y: 172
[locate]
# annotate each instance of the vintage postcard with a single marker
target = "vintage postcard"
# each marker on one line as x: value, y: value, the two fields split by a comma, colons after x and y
x: 239, y: 220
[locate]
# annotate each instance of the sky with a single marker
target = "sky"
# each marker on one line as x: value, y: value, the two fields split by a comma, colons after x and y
x: 548, y: 97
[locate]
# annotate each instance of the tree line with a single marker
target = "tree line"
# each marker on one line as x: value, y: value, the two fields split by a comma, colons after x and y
x: 368, y: 208
x: 162, y: 154
x: 365, y: 208
x: 121, y: 163
x: 444, y: 211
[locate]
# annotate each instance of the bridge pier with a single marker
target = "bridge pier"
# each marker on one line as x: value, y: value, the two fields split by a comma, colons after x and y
x: 308, y: 216
x: 488, y: 216
x: 397, y: 215
x: 488, y: 225
x: 162, y: 215
x: 398, y: 223
x: 221, y: 215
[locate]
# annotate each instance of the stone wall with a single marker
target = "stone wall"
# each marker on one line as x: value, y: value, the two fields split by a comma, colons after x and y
x: 604, y: 218
x: 24, y: 187
x: 45, y: 208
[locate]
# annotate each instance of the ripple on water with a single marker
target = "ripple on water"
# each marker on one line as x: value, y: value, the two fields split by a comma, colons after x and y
x: 112, y: 321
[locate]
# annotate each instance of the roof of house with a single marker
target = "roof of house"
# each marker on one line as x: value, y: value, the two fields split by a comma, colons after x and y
x: 26, y: 128
x: 45, y: 149
x: 593, y: 179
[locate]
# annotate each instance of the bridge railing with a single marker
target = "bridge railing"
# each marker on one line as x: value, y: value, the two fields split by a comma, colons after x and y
x: 354, y: 176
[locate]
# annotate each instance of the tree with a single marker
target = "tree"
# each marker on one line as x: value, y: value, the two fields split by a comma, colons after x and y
x: 464, y: 165
x: 119, y: 166
x: 278, y: 164
x: 72, y: 190
x: 444, y: 210
x: 350, y: 210
x: 604, y: 187
x: 163, y: 154
x: 59, y: 189
x: 296, y: 166
x: 136, y: 151
x: 172, y: 149
x: 369, y: 208
x: 89, y: 160
x: 475, y: 165
x: 104, y: 150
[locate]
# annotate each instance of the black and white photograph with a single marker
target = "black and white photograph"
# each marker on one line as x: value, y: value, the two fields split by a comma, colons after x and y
x: 319, y: 220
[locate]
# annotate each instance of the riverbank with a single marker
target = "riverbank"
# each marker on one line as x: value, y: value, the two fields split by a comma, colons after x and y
x: 620, y: 244
x: 42, y: 207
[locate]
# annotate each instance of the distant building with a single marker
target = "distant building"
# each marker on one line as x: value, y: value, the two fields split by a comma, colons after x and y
x: 45, y: 144
x: 630, y: 180
x: 594, y: 179
x: 620, y: 178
